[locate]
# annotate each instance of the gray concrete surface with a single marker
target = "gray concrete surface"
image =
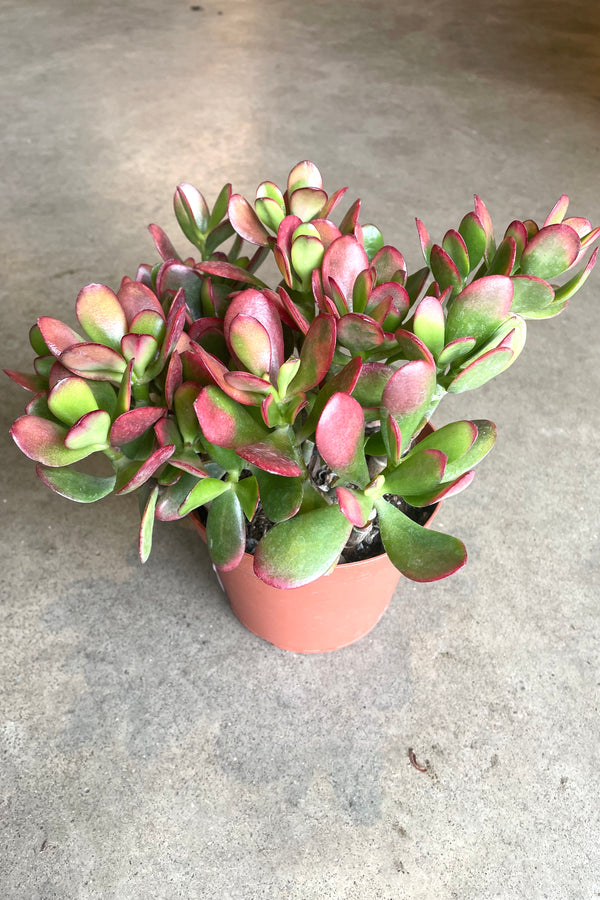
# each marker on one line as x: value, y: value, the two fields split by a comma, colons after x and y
x: 151, y: 747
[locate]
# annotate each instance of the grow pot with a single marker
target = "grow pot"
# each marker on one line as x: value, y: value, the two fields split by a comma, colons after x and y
x: 335, y: 610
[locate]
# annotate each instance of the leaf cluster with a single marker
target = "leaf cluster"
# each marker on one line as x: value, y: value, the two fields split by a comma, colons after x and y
x: 203, y: 386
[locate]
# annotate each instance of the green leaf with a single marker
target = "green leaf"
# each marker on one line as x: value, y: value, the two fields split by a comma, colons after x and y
x: 419, y: 472
x: 455, y: 247
x: 420, y: 554
x: 453, y: 439
x: 372, y: 240
x: 482, y: 370
x: 91, y: 430
x: 44, y: 442
x: 269, y: 212
x: 147, y: 525
x: 192, y: 213
x: 226, y: 531
x: 566, y: 291
x: 226, y: 422
x: 473, y: 234
x: 77, y: 486
x: 280, y: 495
x: 480, y: 308
x: 531, y: 295
x: 551, y: 251
x: 101, y: 315
x: 301, y: 549
x: 167, y: 508
x: 455, y: 350
x: 481, y: 446
x: 220, y: 207
x: 203, y: 492
x: 247, y: 494
x: 429, y: 324
x: 71, y: 398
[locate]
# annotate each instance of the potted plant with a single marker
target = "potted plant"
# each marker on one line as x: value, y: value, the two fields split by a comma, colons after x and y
x: 291, y: 420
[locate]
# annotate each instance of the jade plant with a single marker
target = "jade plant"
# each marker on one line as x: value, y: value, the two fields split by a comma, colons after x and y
x: 304, y: 404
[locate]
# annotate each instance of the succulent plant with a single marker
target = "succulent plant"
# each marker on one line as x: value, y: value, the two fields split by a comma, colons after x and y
x: 307, y: 401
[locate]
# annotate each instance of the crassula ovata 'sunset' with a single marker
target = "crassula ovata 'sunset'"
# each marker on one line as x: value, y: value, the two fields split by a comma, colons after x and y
x: 205, y: 387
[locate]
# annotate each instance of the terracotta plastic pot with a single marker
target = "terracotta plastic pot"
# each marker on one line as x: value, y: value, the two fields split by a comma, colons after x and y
x: 331, y: 612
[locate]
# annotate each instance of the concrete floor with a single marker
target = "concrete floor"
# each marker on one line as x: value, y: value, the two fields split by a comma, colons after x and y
x: 151, y: 747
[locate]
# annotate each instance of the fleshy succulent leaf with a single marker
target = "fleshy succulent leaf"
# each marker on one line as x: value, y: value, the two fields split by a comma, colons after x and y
x: 340, y: 438
x: 504, y: 257
x: 441, y: 492
x: 141, y: 348
x: 299, y: 550
x: 419, y: 553
x: 372, y: 240
x: 408, y: 393
x: 424, y: 240
x: 57, y: 336
x: 455, y: 350
x: 551, y: 251
x: 251, y: 344
x: 566, y: 291
x: 37, y: 341
x: 480, y: 308
x: 355, y: 505
x: 226, y: 531
x: 224, y: 421
x: 558, y: 211
x: 95, y: 361
x: 245, y: 221
x: 359, y: 333
x: 204, y: 491
x: 389, y: 265
x: 147, y: 525
x: 132, y: 424
x: 304, y: 174
x: 307, y: 202
x: 91, y: 430
x: 315, y: 355
x: 484, y: 217
x: 412, y: 347
x: 454, y: 245
x: 227, y: 270
x: 453, y: 439
x: 344, y: 259
x: 33, y: 383
x: 101, y: 315
x: 255, y: 304
x: 162, y: 242
x: 421, y: 471
x: 444, y: 269
x: 429, y: 324
x: 136, y: 297
x: 171, y: 498
x: 132, y: 475
x: 219, y: 210
x: 530, y: 295
x: 78, y: 486
x: 459, y: 463
x: 266, y: 455
x: 44, y: 442
x: 247, y: 493
x: 192, y: 213
x: 280, y: 496
x: 482, y: 370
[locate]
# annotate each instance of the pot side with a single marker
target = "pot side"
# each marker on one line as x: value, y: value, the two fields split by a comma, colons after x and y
x: 335, y: 610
